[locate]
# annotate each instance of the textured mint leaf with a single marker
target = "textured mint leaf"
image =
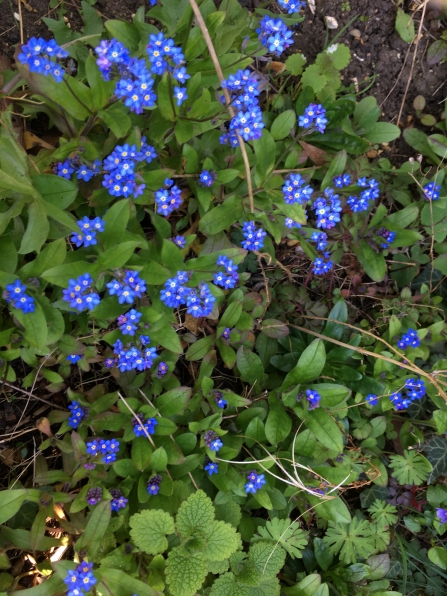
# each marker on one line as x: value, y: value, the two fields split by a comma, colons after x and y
x: 267, y: 558
x: 185, y: 572
x: 221, y: 541
x: 436, y: 452
x: 270, y: 587
x: 195, y: 514
x: 149, y: 529
x: 226, y: 585
x: 230, y: 513
x: 218, y: 567
x: 410, y: 468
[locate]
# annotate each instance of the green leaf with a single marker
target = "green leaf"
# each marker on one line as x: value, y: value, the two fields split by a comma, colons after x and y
x: 118, y: 255
x: 438, y: 556
x: 312, y: 77
x: 221, y: 217
x: 141, y: 453
x: 10, y: 503
x: 226, y: 585
x: 174, y: 401
x: 382, y: 132
x: 36, y: 230
x: 366, y: 113
x: 405, y: 26
x: 221, y: 541
x: 115, y: 223
x: 350, y: 541
x: 340, y: 57
x: 149, y: 530
x: 336, y: 167
x: 439, y: 145
x: 159, y: 460
x: 185, y: 572
x: 196, y: 514
x: 200, y: 348
x: 309, y: 366
x: 118, y: 583
x: 372, y: 262
x: 165, y: 92
x: 35, y: 326
x: 229, y: 512
x: 288, y: 534
x: 410, y: 468
x: 283, y: 124
x: 325, y: 429
x: 101, y: 90
x: 52, y: 255
x: 124, y: 32
x: 338, y: 313
x: 55, y: 190
x: 279, y: 423
x: 419, y: 141
x: 436, y: 52
x: 117, y: 120
x: 295, y: 64
x: 265, y: 151
x: 96, y: 528
x: 61, y: 274
x: 155, y: 274
x: 274, y: 328
x: 250, y: 366
x: 267, y: 558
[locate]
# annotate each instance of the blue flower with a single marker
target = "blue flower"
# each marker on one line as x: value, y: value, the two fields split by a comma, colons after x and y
x: 179, y: 241
x: 167, y: 200
x: 320, y: 238
x: 295, y: 190
x: 216, y: 445
x: 291, y: 223
x: 65, y: 169
x: 180, y: 74
x: 37, y: 55
x: 313, y: 397
x: 253, y: 236
x: 78, y: 414
x: 342, y: 180
x: 225, y: 335
x: 85, y: 173
x: 180, y: 95
x: 207, y: 178
x: 84, y: 239
x: 314, y: 115
x: 409, y: 340
x: 321, y: 267
x: 126, y: 295
x: 441, y: 514
x: 274, y: 34
x: 73, y: 358
x: 153, y: 489
x: 212, y: 468
x: 432, y: 191
x: 372, y: 399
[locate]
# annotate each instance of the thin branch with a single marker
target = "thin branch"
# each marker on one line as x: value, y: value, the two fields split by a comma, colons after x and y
x: 219, y: 72
x: 31, y: 395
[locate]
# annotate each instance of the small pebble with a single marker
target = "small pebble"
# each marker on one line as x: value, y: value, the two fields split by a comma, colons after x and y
x: 355, y: 33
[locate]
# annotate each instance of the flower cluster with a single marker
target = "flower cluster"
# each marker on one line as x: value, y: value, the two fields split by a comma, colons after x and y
x: 142, y: 426
x: 128, y: 323
x: 78, y: 414
x: 39, y: 56
x: 314, y: 117
x: 128, y: 289
x: 322, y: 265
x: 118, y: 500
x: 121, y: 179
x: 371, y: 192
x: 342, y: 181
x: 108, y: 448
x: 15, y: 293
x: 295, y: 190
x: 414, y: 388
x: 199, y: 302
x: 94, y: 495
x: 88, y: 229
x: 153, y: 486
x: 409, y: 339
x: 291, y: 5
x: 313, y: 397
x: 77, y: 294
x: 226, y: 281
x: 255, y: 482
x: 131, y: 357
x: 164, y: 56
x: 207, y: 178
x: 247, y: 122
x: 212, y: 440
x: 111, y: 54
x: 80, y: 580
x: 85, y: 172
x: 327, y: 209
x: 274, y: 35
x: 254, y: 237
x: 387, y: 236
x: 169, y: 198
x: 320, y: 238
x: 135, y: 86
x: 432, y: 191
x: 211, y: 467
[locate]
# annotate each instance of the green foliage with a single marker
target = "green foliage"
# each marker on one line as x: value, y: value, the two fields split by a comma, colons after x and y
x: 410, y: 468
x: 382, y: 513
x: 351, y: 541
x: 149, y: 530
x: 288, y: 535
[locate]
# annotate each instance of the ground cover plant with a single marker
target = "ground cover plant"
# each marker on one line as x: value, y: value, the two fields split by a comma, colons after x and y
x: 234, y: 319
